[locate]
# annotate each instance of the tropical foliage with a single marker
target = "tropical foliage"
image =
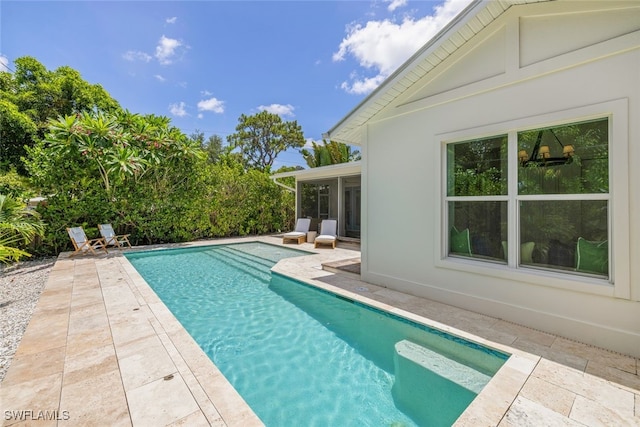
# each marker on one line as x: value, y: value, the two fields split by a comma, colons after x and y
x: 329, y: 153
x: 149, y: 180
x: 31, y: 95
x: 69, y: 141
x: 18, y: 227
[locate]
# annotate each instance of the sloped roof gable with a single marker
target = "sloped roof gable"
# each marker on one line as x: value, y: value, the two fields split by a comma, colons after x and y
x: 473, y: 19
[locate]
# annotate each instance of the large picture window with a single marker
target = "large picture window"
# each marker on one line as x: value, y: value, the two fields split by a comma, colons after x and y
x: 557, y: 199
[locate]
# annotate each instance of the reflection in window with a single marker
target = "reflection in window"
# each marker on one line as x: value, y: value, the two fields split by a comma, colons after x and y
x: 477, y: 168
x: 562, y: 232
x: 571, y: 159
x: 478, y: 229
x: 569, y: 234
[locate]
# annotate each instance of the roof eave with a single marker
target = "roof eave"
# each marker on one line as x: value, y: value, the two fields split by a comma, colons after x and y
x: 463, y: 18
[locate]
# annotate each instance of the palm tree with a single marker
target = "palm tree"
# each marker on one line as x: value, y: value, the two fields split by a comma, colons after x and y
x: 330, y: 153
x: 18, y: 227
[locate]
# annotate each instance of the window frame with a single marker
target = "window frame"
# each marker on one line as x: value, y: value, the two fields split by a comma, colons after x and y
x: 618, y: 282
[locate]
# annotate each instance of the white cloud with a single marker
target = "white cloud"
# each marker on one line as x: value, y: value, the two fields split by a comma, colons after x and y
x: 166, y: 50
x: 394, y: 4
x: 136, y: 55
x: 211, y: 104
x: 159, y: 78
x: 200, y: 115
x: 205, y: 93
x: 178, y: 109
x: 4, y: 63
x: 382, y: 46
x: 172, y: 20
x: 279, y: 109
x: 363, y: 85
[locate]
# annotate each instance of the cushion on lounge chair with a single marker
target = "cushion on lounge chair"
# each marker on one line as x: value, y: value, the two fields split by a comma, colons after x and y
x: 300, y: 232
x: 294, y: 234
x: 328, y: 233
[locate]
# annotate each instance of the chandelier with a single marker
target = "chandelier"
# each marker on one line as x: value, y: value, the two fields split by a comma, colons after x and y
x: 541, y: 155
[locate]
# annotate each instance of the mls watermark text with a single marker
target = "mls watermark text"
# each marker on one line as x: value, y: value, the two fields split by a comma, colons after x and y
x: 33, y: 415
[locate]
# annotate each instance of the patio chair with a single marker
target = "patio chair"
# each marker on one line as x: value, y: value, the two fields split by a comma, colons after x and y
x: 84, y: 245
x: 113, y: 239
x: 328, y: 235
x: 300, y: 232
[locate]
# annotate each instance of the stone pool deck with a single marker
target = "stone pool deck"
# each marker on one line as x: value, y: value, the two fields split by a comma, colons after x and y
x: 102, y: 349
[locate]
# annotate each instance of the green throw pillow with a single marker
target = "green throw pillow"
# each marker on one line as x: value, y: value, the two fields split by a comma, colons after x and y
x: 592, y: 257
x: 459, y: 242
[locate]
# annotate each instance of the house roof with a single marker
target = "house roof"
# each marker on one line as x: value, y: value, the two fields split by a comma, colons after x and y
x: 475, y: 17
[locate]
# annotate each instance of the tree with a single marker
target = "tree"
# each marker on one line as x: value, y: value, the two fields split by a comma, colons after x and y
x: 212, y: 146
x: 16, y: 130
x: 116, y: 147
x: 32, y: 95
x: 263, y: 136
x: 330, y: 153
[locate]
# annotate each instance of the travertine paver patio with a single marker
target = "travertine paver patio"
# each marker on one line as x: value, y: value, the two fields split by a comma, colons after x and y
x: 102, y: 349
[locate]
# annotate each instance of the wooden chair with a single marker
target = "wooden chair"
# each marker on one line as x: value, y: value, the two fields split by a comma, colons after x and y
x: 113, y: 239
x: 300, y: 233
x: 328, y: 234
x: 84, y: 245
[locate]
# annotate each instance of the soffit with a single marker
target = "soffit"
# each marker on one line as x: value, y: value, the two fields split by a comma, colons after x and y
x: 331, y: 171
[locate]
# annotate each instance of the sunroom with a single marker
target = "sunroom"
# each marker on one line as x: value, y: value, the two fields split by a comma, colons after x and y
x: 328, y: 192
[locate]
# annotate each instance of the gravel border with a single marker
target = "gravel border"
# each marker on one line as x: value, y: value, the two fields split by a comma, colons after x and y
x: 20, y: 287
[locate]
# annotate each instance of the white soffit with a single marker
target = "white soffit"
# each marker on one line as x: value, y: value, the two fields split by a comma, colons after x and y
x: 475, y: 17
x: 331, y: 171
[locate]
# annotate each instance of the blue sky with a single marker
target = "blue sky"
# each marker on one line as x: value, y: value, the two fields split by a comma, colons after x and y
x: 204, y: 63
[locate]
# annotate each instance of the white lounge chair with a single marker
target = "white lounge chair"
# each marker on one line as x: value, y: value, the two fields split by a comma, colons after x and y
x: 113, y: 239
x: 83, y: 245
x: 300, y: 232
x: 328, y: 233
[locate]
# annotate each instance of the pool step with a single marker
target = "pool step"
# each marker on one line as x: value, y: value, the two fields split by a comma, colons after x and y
x: 249, y: 257
x: 248, y: 266
x: 450, y: 385
x: 458, y: 373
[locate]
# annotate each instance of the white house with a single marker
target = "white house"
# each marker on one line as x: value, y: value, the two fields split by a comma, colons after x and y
x: 501, y: 168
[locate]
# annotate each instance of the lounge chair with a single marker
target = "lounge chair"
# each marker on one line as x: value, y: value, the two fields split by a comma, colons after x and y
x: 113, y: 239
x: 300, y: 232
x: 328, y: 235
x: 82, y: 244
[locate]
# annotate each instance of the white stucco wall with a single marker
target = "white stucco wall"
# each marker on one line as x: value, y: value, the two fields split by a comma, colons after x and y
x: 402, y: 182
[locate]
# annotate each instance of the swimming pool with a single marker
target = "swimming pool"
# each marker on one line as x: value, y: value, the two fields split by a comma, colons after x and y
x: 302, y: 356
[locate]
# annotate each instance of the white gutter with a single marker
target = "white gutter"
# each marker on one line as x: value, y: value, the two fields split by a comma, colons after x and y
x: 286, y: 187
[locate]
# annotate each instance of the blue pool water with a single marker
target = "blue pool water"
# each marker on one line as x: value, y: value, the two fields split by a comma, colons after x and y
x: 301, y: 356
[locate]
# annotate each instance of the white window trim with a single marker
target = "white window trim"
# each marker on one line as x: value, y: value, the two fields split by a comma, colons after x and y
x: 618, y: 284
